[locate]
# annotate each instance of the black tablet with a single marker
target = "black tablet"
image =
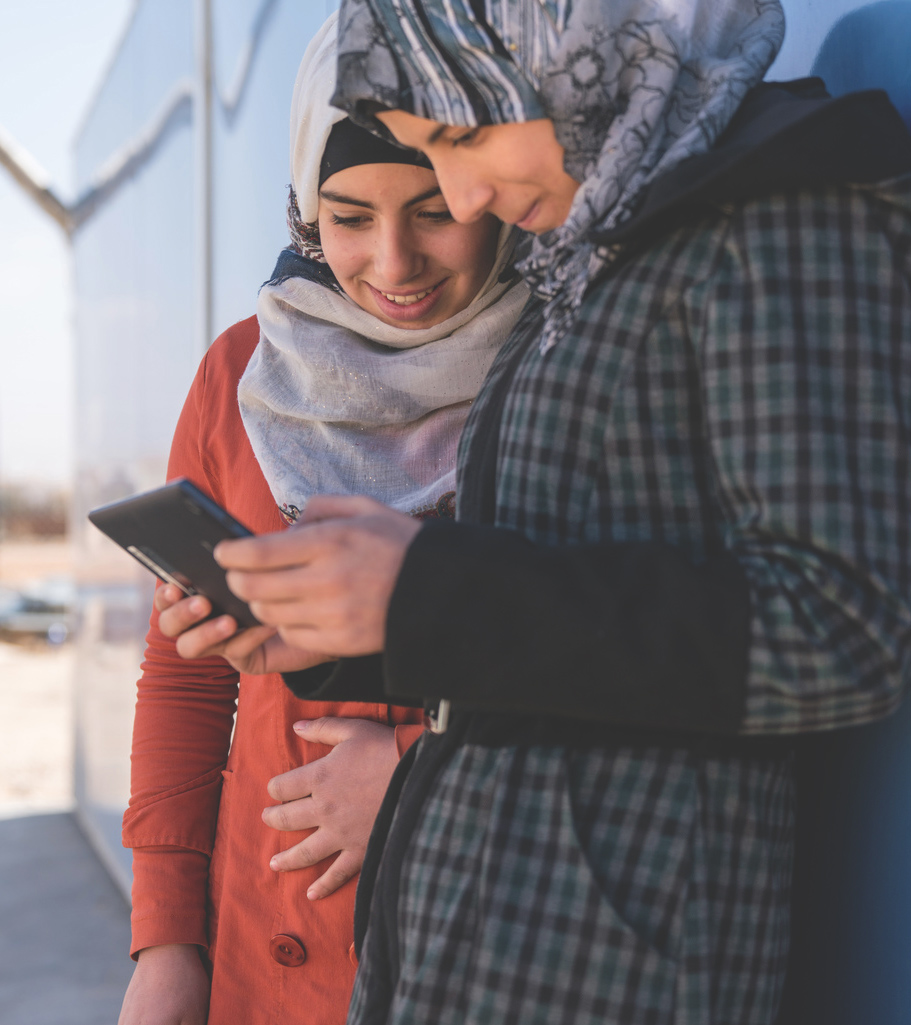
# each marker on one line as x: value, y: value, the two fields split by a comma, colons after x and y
x: 172, y: 531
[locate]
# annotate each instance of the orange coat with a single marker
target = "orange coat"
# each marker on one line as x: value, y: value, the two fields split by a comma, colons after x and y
x: 200, y: 849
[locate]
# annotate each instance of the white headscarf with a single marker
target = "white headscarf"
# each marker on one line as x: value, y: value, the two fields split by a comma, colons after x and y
x: 333, y: 399
x: 312, y: 116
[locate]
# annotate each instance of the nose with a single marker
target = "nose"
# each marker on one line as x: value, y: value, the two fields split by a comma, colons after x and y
x: 397, y: 258
x: 468, y: 195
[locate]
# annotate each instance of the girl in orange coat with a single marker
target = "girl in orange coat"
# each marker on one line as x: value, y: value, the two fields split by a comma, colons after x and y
x: 371, y: 339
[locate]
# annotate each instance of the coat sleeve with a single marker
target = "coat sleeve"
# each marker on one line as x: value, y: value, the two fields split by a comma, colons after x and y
x: 802, y: 621
x: 181, y: 736
x: 807, y: 377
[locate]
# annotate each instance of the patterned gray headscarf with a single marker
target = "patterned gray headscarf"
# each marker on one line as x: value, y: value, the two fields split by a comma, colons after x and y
x: 633, y: 87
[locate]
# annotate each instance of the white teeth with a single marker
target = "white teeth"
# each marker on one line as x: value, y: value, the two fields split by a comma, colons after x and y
x: 407, y: 300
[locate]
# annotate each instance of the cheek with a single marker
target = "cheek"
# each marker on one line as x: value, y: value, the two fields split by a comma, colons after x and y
x: 473, y: 247
x: 340, y: 247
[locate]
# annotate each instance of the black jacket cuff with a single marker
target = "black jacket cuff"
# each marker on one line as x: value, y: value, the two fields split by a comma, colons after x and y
x: 627, y: 633
x: 348, y: 679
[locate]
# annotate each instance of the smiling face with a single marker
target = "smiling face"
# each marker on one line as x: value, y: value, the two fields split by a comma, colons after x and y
x: 514, y: 171
x: 394, y: 247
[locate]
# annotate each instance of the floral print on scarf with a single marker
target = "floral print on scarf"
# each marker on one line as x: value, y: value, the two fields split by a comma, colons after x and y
x: 634, y: 87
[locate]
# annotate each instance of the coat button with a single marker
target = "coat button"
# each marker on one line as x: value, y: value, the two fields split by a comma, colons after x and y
x: 287, y: 951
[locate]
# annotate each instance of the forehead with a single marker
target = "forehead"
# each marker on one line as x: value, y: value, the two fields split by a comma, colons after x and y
x: 374, y: 183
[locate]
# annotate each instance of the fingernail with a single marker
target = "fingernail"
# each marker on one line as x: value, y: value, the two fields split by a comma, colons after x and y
x: 197, y: 604
x: 313, y: 893
x: 273, y: 864
x: 300, y: 727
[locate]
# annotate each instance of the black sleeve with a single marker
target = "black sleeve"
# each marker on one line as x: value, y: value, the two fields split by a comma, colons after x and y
x: 627, y: 633
x: 348, y: 679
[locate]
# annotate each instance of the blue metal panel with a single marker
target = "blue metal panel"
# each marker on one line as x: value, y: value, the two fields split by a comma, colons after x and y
x: 851, y: 944
x: 135, y: 356
x: 154, y: 56
x: 870, y: 49
x: 254, y: 76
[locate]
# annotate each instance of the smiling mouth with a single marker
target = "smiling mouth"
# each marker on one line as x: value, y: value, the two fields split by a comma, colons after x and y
x: 411, y: 306
x: 528, y: 217
x: 407, y: 300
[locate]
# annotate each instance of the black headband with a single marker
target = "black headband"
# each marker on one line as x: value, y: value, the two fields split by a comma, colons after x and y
x: 349, y: 145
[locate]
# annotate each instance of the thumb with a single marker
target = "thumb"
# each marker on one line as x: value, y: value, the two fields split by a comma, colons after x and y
x: 333, y: 507
x: 329, y: 730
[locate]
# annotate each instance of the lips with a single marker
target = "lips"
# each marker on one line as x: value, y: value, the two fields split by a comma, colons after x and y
x: 409, y: 306
x: 528, y: 219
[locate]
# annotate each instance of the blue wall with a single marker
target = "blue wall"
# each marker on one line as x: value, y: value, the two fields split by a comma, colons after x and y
x: 851, y: 940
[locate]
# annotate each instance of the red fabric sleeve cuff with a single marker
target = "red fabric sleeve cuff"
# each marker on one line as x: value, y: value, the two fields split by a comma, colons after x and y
x: 169, y: 898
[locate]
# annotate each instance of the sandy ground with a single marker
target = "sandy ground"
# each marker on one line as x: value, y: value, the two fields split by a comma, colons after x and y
x: 36, y: 729
x: 36, y: 716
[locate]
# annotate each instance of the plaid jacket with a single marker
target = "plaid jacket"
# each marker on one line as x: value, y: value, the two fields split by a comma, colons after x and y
x: 738, y: 393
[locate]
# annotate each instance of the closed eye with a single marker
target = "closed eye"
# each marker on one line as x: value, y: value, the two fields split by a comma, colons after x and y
x: 436, y: 216
x: 348, y: 222
x: 466, y: 137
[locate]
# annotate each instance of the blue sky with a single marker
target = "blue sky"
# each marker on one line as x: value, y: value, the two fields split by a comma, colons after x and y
x: 53, y: 54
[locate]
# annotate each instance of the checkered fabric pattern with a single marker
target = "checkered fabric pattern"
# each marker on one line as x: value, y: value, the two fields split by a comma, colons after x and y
x: 745, y: 384
x: 542, y: 888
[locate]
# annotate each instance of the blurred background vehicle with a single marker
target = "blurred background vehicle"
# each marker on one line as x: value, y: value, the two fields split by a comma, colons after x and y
x: 41, y: 610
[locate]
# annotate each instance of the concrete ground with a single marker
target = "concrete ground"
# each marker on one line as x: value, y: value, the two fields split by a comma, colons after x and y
x: 64, y: 926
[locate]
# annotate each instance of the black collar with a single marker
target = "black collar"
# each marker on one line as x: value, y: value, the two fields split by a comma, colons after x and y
x: 292, y: 265
x: 785, y: 136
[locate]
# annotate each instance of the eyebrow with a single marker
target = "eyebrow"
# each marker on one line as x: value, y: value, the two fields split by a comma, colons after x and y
x: 429, y: 194
x: 338, y: 197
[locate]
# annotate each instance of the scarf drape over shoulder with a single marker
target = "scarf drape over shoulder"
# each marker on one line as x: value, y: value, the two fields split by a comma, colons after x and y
x: 633, y: 87
x: 334, y: 400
